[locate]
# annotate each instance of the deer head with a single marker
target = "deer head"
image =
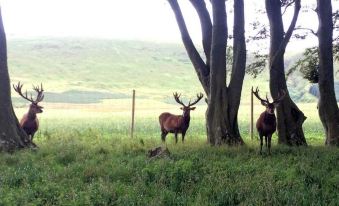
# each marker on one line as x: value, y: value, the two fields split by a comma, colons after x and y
x: 188, y: 108
x: 270, y: 106
x: 34, y: 107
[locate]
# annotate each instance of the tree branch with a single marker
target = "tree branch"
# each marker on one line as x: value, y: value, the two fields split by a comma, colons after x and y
x: 286, y: 7
x: 239, y: 45
x: 206, y: 27
x: 289, y: 32
x: 198, y: 63
x: 239, y: 52
x: 308, y: 29
x: 219, y: 43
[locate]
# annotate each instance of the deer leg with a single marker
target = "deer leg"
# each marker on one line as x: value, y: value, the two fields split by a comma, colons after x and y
x: 266, y: 141
x: 163, y: 135
x: 183, y: 136
x: 269, y: 144
x: 261, y: 143
x: 32, y: 135
x: 176, y: 137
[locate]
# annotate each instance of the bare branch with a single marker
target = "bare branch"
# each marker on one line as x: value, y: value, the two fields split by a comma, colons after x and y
x: 286, y: 7
x: 198, y: 63
x: 308, y: 29
x: 262, y: 34
x: 289, y: 32
x: 206, y: 27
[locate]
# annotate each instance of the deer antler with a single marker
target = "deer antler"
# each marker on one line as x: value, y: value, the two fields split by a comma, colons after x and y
x: 39, y: 97
x: 177, y: 98
x: 199, y: 97
x: 40, y: 91
x: 256, y: 93
x: 280, y: 97
x: 18, y: 89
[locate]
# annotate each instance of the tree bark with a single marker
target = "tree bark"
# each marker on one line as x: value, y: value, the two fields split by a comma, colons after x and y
x: 328, y: 108
x: 223, y: 101
x: 289, y: 116
x: 239, y: 65
x: 12, y: 137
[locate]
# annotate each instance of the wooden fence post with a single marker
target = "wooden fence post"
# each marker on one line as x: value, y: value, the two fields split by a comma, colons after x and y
x: 251, y: 126
x: 133, y: 109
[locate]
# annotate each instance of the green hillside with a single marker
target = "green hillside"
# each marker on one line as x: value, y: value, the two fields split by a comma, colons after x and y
x: 69, y: 67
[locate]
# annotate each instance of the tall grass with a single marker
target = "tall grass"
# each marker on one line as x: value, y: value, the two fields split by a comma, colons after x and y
x: 89, y: 159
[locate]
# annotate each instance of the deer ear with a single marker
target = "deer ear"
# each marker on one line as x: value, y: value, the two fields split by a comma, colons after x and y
x: 263, y: 103
x: 192, y: 108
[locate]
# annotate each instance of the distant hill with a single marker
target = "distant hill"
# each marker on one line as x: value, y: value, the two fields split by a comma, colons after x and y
x: 114, y: 68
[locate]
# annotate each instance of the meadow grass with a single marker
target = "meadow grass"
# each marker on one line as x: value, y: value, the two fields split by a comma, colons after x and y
x: 88, y: 158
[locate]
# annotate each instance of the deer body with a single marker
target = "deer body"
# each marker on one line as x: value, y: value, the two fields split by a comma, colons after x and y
x: 29, y: 122
x: 267, y: 123
x: 177, y: 124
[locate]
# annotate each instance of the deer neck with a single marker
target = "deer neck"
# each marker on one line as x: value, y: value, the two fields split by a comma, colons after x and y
x: 186, y: 118
x: 31, y: 114
x: 268, y: 117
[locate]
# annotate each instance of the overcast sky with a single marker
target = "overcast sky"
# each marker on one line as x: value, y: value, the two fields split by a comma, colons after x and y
x: 123, y: 19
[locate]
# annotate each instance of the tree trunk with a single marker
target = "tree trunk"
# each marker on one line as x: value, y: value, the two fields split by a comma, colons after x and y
x: 289, y: 117
x: 223, y: 102
x: 238, y: 67
x: 328, y: 108
x: 12, y: 137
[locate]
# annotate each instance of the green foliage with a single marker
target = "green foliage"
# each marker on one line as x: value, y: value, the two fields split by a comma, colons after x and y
x: 258, y: 65
x: 307, y: 65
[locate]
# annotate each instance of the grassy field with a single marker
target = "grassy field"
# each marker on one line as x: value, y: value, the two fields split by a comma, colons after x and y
x: 86, y: 155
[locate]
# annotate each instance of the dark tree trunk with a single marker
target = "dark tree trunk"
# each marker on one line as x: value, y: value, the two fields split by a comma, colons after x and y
x: 223, y: 101
x: 289, y: 117
x: 12, y: 137
x: 328, y: 108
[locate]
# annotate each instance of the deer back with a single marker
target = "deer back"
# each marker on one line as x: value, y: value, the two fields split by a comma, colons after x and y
x: 170, y: 121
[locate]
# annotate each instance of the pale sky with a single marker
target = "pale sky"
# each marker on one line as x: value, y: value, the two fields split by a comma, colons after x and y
x: 151, y: 20
x: 124, y: 19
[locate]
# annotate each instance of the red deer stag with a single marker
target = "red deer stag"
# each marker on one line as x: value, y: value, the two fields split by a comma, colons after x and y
x: 171, y: 123
x: 266, y: 123
x: 29, y: 122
